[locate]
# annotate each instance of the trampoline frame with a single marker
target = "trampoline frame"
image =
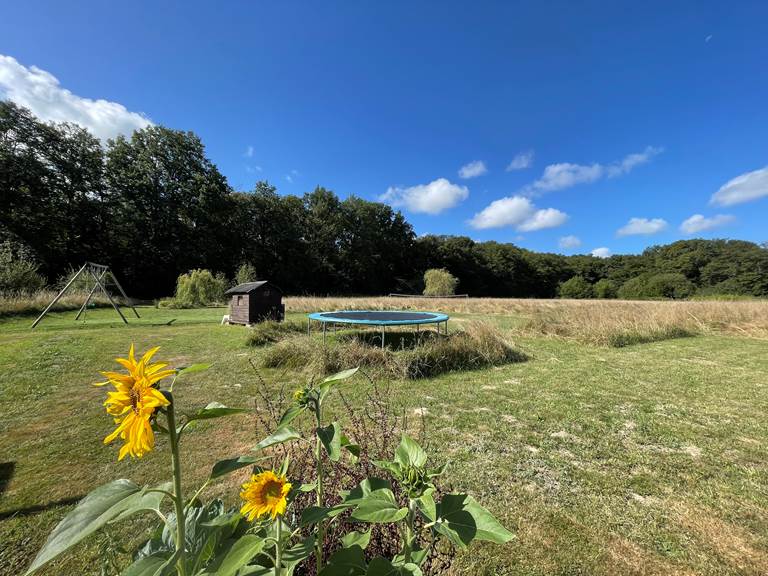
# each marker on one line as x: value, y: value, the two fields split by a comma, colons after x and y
x: 326, y: 318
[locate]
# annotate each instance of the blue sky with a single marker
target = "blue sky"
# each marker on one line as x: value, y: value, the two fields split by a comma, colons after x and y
x: 570, y: 118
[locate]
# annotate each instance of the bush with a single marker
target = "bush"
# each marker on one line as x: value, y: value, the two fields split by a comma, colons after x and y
x: 18, y: 270
x: 659, y: 286
x: 245, y: 273
x: 605, y: 289
x: 628, y: 338
x: 439, y: 282
x: 576, y: 287
x: 407, y: 356
x: 271, y: 331
x: 198, y: 288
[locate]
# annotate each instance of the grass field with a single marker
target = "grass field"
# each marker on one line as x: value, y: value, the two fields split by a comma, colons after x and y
x: 648, y: 458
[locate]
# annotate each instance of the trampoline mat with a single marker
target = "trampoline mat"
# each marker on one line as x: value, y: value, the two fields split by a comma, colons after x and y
x: 379, y: 317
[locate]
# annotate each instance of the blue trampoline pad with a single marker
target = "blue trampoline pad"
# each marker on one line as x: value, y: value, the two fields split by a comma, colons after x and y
x: 379, y: 317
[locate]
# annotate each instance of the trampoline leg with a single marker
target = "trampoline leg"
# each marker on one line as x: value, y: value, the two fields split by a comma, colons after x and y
x: 382, y: 336
x: 323, y: 332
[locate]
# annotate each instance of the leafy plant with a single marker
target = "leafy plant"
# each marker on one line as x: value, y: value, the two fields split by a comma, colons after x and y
x: 439, y: 282
x: 265, y: 536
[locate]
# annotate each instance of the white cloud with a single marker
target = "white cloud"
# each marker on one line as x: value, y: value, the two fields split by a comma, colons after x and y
x: 744, y: 188
x: 637, y: 226
x: 541, y: 219
x: 565, y: 174
x: 41, y: 92
x: 432, y: 198
x: 569, y: 242
x: 508, y: 211
x: 289, y: 178
x: 248, y: 152
x: 518, y: 212
x: 520, y: 162
x: 601, y: 252
x: 698, y: 223
x: 473, y: 169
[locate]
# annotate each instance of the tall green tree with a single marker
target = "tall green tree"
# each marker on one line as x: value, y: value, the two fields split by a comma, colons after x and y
x: 169, y: 208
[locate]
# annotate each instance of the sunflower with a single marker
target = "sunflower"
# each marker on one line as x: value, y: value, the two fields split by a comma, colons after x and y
x: 265, y: 493
x: 134, y: 401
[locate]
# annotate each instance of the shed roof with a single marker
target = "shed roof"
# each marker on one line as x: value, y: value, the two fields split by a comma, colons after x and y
x: 249, y: 287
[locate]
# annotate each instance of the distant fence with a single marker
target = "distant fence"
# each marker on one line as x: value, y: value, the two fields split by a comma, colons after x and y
x: 393, y: 295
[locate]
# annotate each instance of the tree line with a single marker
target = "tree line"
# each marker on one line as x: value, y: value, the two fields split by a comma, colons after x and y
x: 153, y: 206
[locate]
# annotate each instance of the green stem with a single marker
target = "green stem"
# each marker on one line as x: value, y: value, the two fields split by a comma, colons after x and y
x: 279, y: 547
x: 409, y: 532
x: 178, y: 498
x: 319, y: 492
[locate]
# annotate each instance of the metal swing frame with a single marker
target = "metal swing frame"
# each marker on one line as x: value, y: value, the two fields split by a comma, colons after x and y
x: 100, y: 274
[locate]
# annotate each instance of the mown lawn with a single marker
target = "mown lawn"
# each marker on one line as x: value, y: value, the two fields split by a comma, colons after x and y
x: 649, y: 459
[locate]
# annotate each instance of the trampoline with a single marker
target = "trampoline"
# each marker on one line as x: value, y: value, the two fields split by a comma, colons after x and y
x: 379, y: 318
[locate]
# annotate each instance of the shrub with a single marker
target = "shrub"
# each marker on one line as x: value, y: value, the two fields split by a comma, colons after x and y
x: 576, y: 287
x: 245, y: 273
x: 605, y: 288
x: 271, y: 331
x: 658, y: 286
x: 439, y: 282
x: 199, y: 288
x: 628, y: 338
x: 18, y: 270
x: 407, y: 356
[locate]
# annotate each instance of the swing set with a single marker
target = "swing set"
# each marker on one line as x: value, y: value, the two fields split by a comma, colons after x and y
x: 100, y: 275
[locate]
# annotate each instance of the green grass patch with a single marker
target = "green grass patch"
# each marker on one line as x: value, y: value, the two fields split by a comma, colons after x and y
x: 635, y: 460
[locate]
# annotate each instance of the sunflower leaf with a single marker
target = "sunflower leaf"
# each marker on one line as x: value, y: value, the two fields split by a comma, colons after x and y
x: 192, y: 369
x: 325, y: 385
x: 409, y: 453
x: 279, y: 436
x: 461, y: 519
x: 330, y: 436
x: 290, y: 415
x: 224, y: 467
x: 104, y: 504
x: 238, y: 555
x: 214, y: 410
x: 354, y: 538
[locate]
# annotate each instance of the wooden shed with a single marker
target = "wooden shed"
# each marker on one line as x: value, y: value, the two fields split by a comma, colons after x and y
x: 255, y: 301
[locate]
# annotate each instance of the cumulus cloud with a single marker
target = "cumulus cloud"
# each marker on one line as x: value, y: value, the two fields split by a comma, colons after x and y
x: 41, y: 92
x: 698, y: 223
x: 569, y: 242
x: 473, y: 169
x: 541, y: 219
x: 518, y: 212
x: 566, y: 175
x: 642, y: 226
x: 520, y: 162
x: 432, y: 198
x: 743, y: 188
x: 248, y: 152
x: 601, y: 252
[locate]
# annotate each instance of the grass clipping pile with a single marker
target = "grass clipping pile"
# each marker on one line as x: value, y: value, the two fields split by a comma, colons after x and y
x: 407, y: 355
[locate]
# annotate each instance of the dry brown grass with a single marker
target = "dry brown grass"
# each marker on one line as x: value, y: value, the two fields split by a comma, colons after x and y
x: 407, y: 355
x: 20, y: 304
x: 603, y: 322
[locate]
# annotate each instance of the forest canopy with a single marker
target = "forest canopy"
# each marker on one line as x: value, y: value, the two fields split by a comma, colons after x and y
x: 153, y: 206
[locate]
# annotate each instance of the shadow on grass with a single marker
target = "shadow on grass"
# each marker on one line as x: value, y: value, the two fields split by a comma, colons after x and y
x: 7, y: 470
x: 37, y: 508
